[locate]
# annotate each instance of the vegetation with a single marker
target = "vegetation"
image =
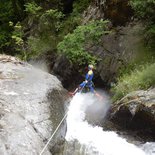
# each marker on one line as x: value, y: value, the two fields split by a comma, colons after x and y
x: 5, y: 16
x: 140, y: 74
x: 80, y: 5
x: 32, y: 28
x: 47, y: 23
x: 32, y: 8
x: 48, y: 33
x: 142, y: 78
x: 144, y: 10
x: 76, y: 45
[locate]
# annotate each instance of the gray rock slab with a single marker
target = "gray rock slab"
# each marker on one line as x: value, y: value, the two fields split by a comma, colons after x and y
x: 31, y: 107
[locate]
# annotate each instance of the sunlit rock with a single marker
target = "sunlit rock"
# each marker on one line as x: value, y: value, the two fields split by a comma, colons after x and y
x: 31, y: 107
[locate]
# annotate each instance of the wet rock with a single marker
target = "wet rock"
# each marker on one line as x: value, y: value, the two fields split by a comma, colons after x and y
x: 136, y: 113
x: 31, y: 107
x: 67, y: 73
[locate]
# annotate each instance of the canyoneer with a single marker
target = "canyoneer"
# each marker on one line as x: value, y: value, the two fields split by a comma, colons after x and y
x: 87, y: 83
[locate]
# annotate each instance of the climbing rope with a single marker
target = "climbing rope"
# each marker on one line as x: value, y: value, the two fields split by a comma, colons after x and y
x: 53, y: 134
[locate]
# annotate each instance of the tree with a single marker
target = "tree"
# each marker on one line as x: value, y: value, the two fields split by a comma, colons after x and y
x: 76, y: 45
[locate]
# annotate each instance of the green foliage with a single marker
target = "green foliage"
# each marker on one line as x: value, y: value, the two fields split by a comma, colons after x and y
x: 74, y: 19
x: 51, y: 20
x: 145, y: 10
x: 144, y: 55
x: 9, y: 11
x: 6, y: 13
x: 4, y: 39
x: 38, y: 46
x: 53, y: 26
x: 150, y: 36
x: 48, y: 27
x: 17, y: 34
x: 32, y: 8
x: 17, y: 42
x: 80, y: 5
x: 141, y: 78
x: 48, y: 34
x: 132, y: 77
x: 76, y: 45
x: 70, y: 23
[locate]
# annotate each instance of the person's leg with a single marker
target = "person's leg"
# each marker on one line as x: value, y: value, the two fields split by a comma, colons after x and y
x: 82, y: 85
x: 91, y: 88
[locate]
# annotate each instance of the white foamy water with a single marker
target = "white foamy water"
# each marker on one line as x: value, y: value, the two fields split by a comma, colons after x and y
x: 11, y: 93
x: 84, y: 107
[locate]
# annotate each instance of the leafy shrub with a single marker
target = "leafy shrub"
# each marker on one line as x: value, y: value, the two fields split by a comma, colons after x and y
x: 32, y: 8
x: 51, y: 21
x: 142, y: 78
x: 145, y: 10
x: 6, y: 13
x: 48, y: 33
x: 17, y: 34
x: 76, y: 45
x: 80, y: 5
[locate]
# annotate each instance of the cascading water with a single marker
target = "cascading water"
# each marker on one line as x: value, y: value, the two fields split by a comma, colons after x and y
x: 83, y: 138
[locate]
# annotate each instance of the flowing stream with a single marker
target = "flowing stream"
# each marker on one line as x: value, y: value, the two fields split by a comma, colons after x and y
x: 84, y: 138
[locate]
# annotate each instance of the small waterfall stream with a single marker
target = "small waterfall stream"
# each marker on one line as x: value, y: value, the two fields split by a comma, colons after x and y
x: 83, y: 138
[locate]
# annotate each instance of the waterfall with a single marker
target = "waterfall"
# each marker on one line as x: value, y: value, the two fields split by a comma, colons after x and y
x: 89, y: 139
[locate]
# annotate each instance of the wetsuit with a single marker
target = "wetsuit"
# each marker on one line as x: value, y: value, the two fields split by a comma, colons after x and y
x: 88, y: 81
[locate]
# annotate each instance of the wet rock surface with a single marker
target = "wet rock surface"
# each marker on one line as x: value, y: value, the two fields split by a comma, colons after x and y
x: 31, y: 107
x: 135, y: 114
x: 65, y: 71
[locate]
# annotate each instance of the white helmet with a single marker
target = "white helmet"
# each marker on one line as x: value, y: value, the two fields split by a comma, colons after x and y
x: 91, y: 66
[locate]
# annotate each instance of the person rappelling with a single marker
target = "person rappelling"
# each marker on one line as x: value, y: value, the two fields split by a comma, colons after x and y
x: 88, y: 81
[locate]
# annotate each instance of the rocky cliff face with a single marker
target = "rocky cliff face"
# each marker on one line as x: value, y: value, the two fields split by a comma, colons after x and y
x: 31, y: 107
x: 135, y: 112
x: 119, y: 12
x: 116, y: 50
x: 119, y: 49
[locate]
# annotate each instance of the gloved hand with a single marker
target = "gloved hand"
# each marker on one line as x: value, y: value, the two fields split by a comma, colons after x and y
x: 86, y: 81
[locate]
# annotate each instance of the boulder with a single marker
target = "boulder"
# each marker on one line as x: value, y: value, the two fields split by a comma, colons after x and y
x: 31, y: 107
x: 136, y: 112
